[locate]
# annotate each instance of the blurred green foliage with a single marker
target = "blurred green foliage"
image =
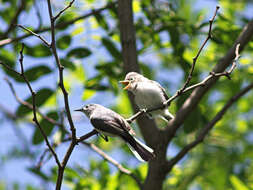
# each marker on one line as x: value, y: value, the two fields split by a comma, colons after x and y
x: 167, y: 32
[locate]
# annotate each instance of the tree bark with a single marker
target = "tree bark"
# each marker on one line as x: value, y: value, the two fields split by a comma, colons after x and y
x: 152, y: 135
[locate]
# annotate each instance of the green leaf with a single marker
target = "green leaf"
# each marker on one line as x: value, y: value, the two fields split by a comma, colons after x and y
x: 194, y: 120
x: 39, y: 50
x: 71, y: 173
x: 38, y: 173
x: 8, y: 58
x: 101, y: 21
x: 67, y: 16
x: 68, y: 64
x: 94, y: 84
x: 111, y: 69
x: 237, y: 183
x: 41, y: 97
x: 111, y: 48
x: 34, y: 73
x: 79, y: 73
x: 46, y: 126
x: 87, y: 94
x: 79, y: 52
x: 64, y: 42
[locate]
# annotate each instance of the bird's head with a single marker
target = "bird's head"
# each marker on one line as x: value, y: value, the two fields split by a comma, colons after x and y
x: 88, y: 109
x: 131, y: 80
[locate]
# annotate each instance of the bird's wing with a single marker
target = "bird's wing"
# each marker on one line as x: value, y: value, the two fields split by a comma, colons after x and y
x: 162, y: 89
x: 109, y: 126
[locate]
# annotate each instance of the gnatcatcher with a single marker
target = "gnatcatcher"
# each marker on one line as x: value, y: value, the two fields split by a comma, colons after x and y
x: 109, y: 123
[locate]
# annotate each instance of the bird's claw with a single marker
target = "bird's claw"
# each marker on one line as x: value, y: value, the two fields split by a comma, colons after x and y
x: 144, y: 110
x: 104, y: 137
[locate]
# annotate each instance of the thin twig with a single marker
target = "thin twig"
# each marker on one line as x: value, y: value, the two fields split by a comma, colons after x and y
x: 121, y: 168
x: 14, y: 20
x: 200, y: 50
x: 30, y: 106
x: 9, y: 68
x: 58, y: 26
x: 200, y: 84
x: 66, y: 101
x: 63, y: 10
x: 60, y: 68
x: 78, y: 140
x: 208, y: 127
x: 33, y: 33
x: 183, y: 89
x: 34, y: 106
x: 33, y: 102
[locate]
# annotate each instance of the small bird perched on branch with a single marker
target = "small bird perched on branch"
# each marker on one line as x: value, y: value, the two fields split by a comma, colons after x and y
x: 148, y: 94
x: 109, y: 123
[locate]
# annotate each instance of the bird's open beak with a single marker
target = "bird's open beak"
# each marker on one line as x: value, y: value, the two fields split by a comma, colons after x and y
x: 78, y: 110
x: 126, y: 83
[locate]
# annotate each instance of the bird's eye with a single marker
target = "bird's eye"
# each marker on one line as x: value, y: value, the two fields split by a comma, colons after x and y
x: 131, y: 78
x: 86, y: 106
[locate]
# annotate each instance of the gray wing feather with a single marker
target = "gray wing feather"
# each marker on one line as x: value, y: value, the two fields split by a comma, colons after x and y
x: 162, y: 89
x: 107, y: 126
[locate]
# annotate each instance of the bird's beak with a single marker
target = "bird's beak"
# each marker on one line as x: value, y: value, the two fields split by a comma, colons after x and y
x: 126, y: 83
x: 79, y: 110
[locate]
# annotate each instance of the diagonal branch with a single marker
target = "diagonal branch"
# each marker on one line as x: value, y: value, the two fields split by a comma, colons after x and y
x: 114, y: 162
x: 200, y: 50
x: 14, y: 20
x: 200, y: 84
x: 33, y: 103
x: 183, y: 89
x: 59, y: 25
x: 208, y: 126
x: 78, y: 140
x: 35, y: 34
x: 193, y: 100
x: 63, y: 10
x: 34, y: 106
x: 30, y: 106
x: 60, y: 68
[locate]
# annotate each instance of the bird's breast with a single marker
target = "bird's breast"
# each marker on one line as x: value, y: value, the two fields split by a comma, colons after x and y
x: 148, y: 95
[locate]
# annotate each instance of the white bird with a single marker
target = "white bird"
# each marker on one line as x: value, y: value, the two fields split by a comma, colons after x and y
x: 148, y: 94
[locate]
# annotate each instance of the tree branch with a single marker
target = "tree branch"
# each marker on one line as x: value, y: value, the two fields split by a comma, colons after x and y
x: 58, y: 26
x: 114, y: 162
x: 202, y: 83
x: 63, y: 10
x: 65, y: 95
x: 208, y: 127
x: 34, y: 106
x: 33, y: 102
x: 30, y: 106
x: 183, y: 89
x: 78, y: 140
x: 14, y: 19
x: 198, y: 93
x: 201, y: 48
x: 33, y: 33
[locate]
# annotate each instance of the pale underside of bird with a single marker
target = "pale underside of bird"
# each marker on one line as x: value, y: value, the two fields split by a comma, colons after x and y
x: 109, y: 123
x: 148, y: 94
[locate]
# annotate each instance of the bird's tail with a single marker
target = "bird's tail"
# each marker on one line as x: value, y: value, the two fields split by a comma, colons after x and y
x: 141, y: 151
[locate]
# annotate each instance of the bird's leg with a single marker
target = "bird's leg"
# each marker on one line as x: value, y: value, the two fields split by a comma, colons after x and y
x: 144, y: 110
x: 104, y: 137
x: 149, y: 115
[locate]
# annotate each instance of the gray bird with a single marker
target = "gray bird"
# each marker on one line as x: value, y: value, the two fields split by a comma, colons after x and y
x: 109, y: 123
x: 147, y: 93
